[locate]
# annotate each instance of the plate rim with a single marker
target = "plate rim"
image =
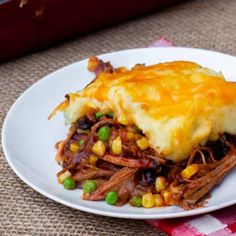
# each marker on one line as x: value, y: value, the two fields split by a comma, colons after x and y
x: 157, y: 215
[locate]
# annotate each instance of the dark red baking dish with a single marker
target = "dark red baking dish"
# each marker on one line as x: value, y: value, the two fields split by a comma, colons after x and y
x: 27, y: 25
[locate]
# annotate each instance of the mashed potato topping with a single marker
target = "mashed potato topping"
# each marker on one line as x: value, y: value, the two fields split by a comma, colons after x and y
x: 178, y: 105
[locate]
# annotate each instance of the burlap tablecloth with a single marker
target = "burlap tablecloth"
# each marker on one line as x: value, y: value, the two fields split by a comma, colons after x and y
x: 209, y: 24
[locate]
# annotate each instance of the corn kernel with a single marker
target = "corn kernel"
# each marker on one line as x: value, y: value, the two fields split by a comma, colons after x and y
x: 130, y: 135
x: 161, y: 183
x: 122, y: 120
x: 148, y: 200
x: 167, y: 197
x: 116, y: 146
x: 74, y: 147
x: 142, y: 143
x: 93, y: 159
x: 99, y: 148
x: 189, y: 171
x: 158, y: 200
x: 63, y: 176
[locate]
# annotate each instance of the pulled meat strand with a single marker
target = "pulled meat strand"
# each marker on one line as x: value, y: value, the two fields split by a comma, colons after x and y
x: 59, y: 156
x: 130, y: 148
x: 65, y: 169
x: 125, y: 190
x: 130, y: 162
x: 198, y: 188
x: 203, y: 158
x: 84, y: 153
x: 88, y: 143
x: 92, y: 174
x: 115, y: 181
x: 107, y: 165
x: 158, y: 159
x: 61, y: 145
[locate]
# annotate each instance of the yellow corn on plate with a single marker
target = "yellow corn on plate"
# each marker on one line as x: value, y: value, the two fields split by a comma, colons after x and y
x: 160, y: 183
x: 167, y: 197
x: 158, y: 200
x: 116, y: 146
x: 74, y: 147
x: 189, y: 171
x: 142, y: 143
x: 63, y: 176
x: 148, y: 200
x: 99, y: 148
x: 93, y: 159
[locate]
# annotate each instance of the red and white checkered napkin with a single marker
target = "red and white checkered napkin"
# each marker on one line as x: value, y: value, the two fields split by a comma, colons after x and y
x: 217, y: 223
x: 161, y: 42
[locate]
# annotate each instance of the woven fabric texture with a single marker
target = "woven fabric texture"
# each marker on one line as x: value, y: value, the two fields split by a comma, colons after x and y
x: 209, y: 24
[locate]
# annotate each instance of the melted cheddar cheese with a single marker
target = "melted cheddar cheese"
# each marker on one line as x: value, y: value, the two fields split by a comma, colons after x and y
x: 178, y: 105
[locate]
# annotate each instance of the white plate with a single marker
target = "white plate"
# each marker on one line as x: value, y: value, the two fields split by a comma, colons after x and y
x: 28, y: 137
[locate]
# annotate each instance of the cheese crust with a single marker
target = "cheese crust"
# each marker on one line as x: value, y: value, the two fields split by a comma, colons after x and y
x: 178, y: 105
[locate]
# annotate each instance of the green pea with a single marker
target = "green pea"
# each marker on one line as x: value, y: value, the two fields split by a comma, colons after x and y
x: 111, y: 198
x: 89, y: 186
x: 136, y: 201
x: 110, y: 114
x: 99, y: 115
x: 104, y: 133
x: 69, y: 183
x: 81, y: 142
